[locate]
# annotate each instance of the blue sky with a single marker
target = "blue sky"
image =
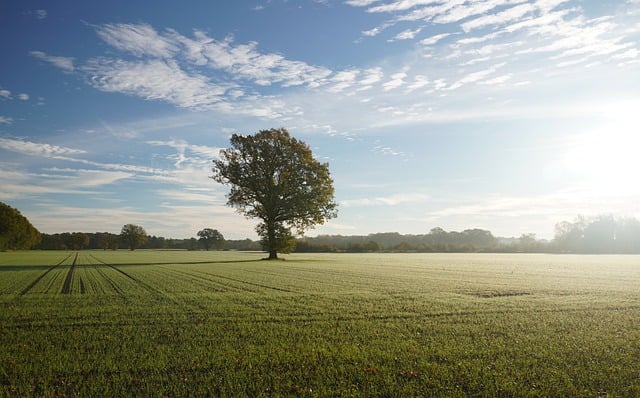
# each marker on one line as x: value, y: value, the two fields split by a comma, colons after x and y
x: 507, y: 115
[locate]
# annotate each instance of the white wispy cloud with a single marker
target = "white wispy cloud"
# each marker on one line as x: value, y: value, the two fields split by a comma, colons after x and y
x: 5, y: 120
x: 397, y: 80
x: 391, y: 200
x: 434, y: 39
x: 63, y: 153
x: 37, y: 149
x: 197, y: 72
x: 475, y: 76
x: 394, y: 6
x: 245, y: 61
x: 360, y: 3
x: 456, y: 11
x: 64, y: 63
x: 200, y: 72
x: 387, y: 151
x: 192, y: 196
x: 500, y: 18
x: 407, y: 34
x: 20, y: 183
x: 497, y: 80
x: 370, y: 77
x: 240, y: 61
x: 6, y: 94
x: 33, y: 188
x: 343, y: 80
x: 154, y: 80
x: 189, y: 153
x: 133, y: 168
x: 418, y: 82
x: 78, y: 178
x: 555, y: 27
x: 137, y: 39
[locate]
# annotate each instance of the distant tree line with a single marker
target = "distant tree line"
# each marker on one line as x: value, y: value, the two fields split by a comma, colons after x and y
x: 135, y: 237
x: 601, y: 234
x: 437, y: 240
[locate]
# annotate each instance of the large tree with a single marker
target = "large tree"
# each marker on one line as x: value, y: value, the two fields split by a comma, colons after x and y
x: 211, y: 237
x: 275, y: 178
x: 133, y: 235
x: 16, y: 232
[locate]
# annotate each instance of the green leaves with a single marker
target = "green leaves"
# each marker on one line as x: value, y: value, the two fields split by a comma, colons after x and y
x: 209, y: 237
x: 16, y: 232
x: 274, y: 177
x: 133, y: 235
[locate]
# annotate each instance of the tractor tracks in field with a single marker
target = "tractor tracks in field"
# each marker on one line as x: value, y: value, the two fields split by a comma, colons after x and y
x: 156, y: 292
x: 209, y: 279
x: 66, y: 287
x: 41, y: 276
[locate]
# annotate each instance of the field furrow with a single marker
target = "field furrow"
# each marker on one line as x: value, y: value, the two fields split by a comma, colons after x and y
x: 187, y: 280
x: 44, y: 274
x: 66, y: 287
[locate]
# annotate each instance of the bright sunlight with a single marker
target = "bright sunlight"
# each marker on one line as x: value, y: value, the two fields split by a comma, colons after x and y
x: 606, y: 157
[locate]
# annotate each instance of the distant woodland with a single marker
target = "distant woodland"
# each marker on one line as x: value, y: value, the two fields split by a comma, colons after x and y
x: 602, y: 234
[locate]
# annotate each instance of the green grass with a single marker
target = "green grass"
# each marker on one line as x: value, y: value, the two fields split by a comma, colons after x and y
x: 172, y: 323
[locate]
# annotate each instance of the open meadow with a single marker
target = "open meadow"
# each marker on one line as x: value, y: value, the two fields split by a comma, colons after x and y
x: 177, y: 323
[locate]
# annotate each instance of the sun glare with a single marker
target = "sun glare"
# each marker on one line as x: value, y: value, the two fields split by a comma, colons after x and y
x: 608, y: 156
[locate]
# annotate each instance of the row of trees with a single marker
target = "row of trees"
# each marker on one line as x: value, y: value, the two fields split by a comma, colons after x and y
x: 602, y: 234
x: 437, y: 240
x: 133, y: 237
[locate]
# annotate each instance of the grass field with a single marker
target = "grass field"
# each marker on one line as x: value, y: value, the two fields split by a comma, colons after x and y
x: 170, y: 323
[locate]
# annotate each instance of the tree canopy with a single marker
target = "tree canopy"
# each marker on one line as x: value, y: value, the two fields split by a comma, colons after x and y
x: 211, y: 237
x: 133, y: 235
x: 275, y: 178
x: 16, y: 232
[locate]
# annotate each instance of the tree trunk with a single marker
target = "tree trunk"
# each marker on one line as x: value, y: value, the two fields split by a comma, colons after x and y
x: 271, y: 237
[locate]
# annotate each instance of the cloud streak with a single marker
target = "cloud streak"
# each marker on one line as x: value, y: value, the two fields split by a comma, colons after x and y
x: 391, y: 200
x: 154, y: 80
x: 37, y: 149
x: 64, y: 63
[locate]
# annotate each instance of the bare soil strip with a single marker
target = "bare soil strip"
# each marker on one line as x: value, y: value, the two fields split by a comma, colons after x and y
x: 66, y: 287
x: 39, y: 278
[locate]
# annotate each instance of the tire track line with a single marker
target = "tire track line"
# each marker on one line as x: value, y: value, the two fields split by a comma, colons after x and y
x: 66, y: 287
x: 146, y: 286
x: 39, y: 278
